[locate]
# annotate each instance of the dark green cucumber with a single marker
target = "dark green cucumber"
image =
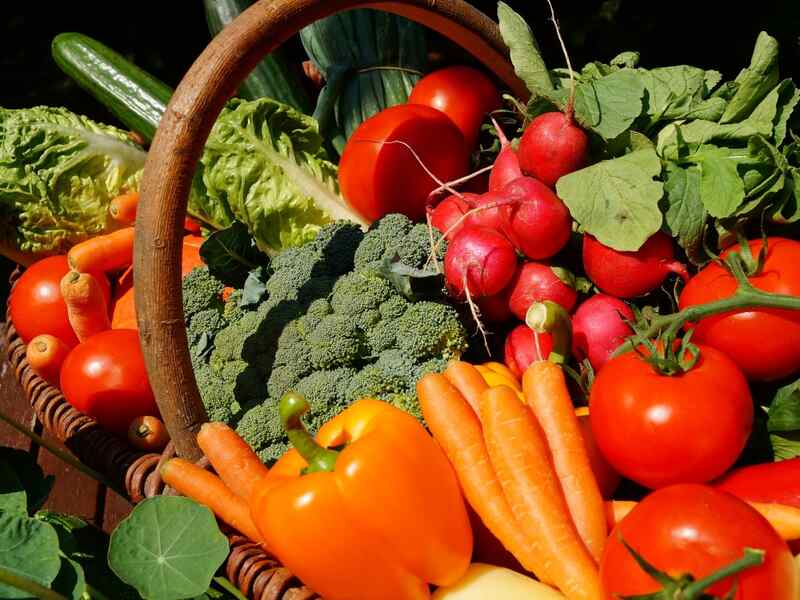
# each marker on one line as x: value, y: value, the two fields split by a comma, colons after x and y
x: 134, y: 96
x: 272, y: 77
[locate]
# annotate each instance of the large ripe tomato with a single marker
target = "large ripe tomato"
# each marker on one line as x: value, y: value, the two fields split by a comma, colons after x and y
x: 105, y: 378
x: 462, y: 93
x: 659, y: 430
x: 36, y: 303
x: 765, y: 343
x: 378, y: 178
x: 696, y: 529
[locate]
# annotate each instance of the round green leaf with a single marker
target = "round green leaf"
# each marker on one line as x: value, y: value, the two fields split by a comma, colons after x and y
x: 28, y: 548
x: 168, y: 548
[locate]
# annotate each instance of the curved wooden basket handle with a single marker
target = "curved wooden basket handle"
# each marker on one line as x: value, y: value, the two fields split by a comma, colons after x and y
x: 179, y: 142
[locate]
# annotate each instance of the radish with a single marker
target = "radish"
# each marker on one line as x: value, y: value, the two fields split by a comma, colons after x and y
x: 553, y: 146
x: 540, y: 223
x: 521, y: 348
x: 598, y: 328
x: 494, y: 309
x: 445, y: 217
x: 536, y: 282
x: 493, y: 212
x: 479, y: 262
x: 631, y: 274
x: 506, y: 166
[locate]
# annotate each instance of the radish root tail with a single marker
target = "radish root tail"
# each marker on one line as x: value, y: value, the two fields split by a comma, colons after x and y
x: 570, y: 108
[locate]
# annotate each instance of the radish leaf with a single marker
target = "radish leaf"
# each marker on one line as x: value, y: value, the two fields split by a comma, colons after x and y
x: 685, y: 216
x: 525, y: 54
x: 611, y: 104
x: 755, y: 81
x: 721, y: 188
x: 616, y: 200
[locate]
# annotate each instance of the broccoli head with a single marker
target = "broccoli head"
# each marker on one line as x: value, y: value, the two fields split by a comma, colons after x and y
x: 201, y: 291
x: 261, y: 427
x: 336, y: 342
x: 326, y: 392
x: 428, y: 329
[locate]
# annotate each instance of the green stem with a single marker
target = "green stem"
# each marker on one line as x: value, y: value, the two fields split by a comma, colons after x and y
x: 746, y: 297
x: 751, y: 558
x: 550, y: 317
x: 60, y: 454
x: 26, y: 585
x: 291, y: 408
x: 94, y: 593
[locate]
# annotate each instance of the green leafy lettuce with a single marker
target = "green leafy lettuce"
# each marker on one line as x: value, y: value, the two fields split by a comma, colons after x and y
x: 264, y: 165
x: 58, y: 173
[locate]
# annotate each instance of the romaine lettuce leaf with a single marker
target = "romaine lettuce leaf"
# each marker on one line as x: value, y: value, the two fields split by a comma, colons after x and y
x: 264, y: 164
x: 58, y: 172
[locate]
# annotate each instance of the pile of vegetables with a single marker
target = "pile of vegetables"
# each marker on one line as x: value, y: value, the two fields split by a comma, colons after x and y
x: 625, y: 243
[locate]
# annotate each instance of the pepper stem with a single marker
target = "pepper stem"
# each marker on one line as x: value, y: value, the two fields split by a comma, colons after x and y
x: 293, y: 406
x: 550, y: 317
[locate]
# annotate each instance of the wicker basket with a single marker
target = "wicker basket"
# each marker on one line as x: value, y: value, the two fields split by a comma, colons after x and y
x: 172, y: 160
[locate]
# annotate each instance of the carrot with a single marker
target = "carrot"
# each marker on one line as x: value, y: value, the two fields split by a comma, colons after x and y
x: 468, y: 381
x: 108, y: 253
x: 148, y: 433
x: 86, y: 305
x: 232, y: 457
x: 123, y: 208
x: 45, y: 354
x: 784, y: 518
x: 209, y: 490
x: 456, y: 427
x: 546, y: 394
x: 521, y: 459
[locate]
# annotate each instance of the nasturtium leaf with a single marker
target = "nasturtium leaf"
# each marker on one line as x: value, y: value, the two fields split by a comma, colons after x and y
x: 64, y: 525
x: 231, y: 254
x: 71, y: 580
x: 29, y: 548
x: 755, y: 81
x: 610, y: 105
x: 721, y: 188
x: 168, y: 548
x: 685, y: 216
x: 525, y: 54
x: 13, y: 498
x: 616, y: 200
x: 35, y: 483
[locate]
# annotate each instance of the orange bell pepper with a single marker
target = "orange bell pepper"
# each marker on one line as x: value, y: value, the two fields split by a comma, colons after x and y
x: 380, y: 519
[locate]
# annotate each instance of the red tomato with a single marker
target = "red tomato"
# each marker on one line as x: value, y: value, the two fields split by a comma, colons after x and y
x: 462, y: 93
x: 765, y: 343
x: 105, y: 378
x: 36, y: 303
x: 659, y: 430
x: 377, y: 178
x: 521, y: 348
x: 696, y: 529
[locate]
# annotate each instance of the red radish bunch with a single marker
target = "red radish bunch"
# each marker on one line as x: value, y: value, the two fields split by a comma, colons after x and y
x: 631, y: 274
x: 479, y: 262
x: 522, y: 348
x: 536, y: 282
x: 599, y: 327
x: 553, y: 146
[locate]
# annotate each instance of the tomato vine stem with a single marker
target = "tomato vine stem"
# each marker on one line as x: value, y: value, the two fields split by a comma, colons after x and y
x: 746, y: 296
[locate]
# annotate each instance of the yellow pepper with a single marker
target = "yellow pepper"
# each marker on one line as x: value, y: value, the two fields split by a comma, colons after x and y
x: 487, y: 581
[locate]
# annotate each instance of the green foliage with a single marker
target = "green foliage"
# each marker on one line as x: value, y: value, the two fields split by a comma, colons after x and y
x: 231, y: 254
x: 169, y: 547
x: 28, y: 548
x: 329, y: 326
x: 784, y: 421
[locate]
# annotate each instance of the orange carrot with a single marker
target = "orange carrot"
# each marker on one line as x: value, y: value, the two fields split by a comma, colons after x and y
x: 148, y: 433
x: 785, y: 519
x: 458, y: 431
x: 108, y: 253
x: 521, y: 459
x: 209, y: 490
x: 45, y: 354
x: 123, y: 208
x: 234, y: 460
x: 86, y: 305
x: 468, y: 381
x: 546, y: 394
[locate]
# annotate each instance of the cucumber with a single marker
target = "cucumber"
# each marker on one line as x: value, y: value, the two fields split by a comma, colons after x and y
x: 134, y: 96
x: 272, y: 77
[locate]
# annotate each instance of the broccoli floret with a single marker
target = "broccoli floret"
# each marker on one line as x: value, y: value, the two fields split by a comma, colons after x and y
x: 407, y: 402
x: 429, y: 329
x: 232, y: 312
x: 317, y: 310
x: 217, y: 395
x: 281, y: 380
x: 381, y: 237
x: 397, y: 364
x: 359, y: 291
x: 432, y: 365
x: 326, y: 392
x: 394, y: 307
x: 261, y: 427
x: 337, y: 243
x: 208, y: 321
x: 336, y: 342
x: 201, y: 291
x: 415, y: 247
x: 374, y: 382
